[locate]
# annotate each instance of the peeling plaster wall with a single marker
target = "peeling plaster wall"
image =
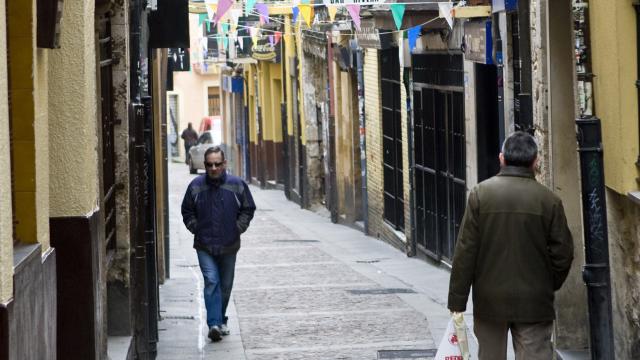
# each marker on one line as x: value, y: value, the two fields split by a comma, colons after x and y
x: 6, y: 232
x: 119, y: 30
x: 73, y: 116
x: 624, y: 252
x: 314, y: 97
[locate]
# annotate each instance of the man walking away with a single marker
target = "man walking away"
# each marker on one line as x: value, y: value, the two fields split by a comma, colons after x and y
x: 190, y: 138
x: 515, y: 249
x: 217, y: 208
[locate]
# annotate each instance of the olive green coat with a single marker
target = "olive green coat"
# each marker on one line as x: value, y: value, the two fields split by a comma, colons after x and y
x: 514, y: 248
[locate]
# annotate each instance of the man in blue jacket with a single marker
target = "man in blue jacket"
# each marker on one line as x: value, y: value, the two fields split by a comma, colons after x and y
x: 217, y: 208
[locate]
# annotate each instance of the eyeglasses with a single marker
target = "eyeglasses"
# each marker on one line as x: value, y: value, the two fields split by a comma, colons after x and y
x: 216, y: 164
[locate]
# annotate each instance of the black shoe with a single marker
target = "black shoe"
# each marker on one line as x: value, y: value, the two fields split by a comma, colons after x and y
x: 215, y: 334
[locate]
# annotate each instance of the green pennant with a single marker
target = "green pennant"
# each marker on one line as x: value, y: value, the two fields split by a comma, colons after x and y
x: 225, y: 28
x: 201, y: 18
x: 398, y: 13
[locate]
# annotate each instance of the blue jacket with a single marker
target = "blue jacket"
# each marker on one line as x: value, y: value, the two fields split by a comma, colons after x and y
x: 217, y: 212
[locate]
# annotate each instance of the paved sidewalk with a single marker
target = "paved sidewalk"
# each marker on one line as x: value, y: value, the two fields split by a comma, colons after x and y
x: 305, y: 289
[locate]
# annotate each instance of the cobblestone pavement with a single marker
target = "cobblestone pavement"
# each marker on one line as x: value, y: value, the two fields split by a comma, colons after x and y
x: 304, y: 289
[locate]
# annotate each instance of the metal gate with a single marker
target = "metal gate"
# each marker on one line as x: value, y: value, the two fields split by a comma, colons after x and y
x: 392, y: 138
x: 108, y: 127
x: 439, y: 152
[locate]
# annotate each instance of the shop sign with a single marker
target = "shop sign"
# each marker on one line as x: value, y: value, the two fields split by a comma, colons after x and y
x: 265, y: 51
x: 179, y: 59
x: 504, y: 5
x: 478, y: 43
x: 370, y: 37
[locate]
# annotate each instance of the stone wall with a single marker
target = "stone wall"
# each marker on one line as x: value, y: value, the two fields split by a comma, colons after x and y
x: 624, y: 254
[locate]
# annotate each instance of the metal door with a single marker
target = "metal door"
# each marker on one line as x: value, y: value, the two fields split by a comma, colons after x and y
x: 392, y: 138
x: 439, y: 152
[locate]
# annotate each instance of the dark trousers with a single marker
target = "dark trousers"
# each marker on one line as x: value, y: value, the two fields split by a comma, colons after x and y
x: 186, y: 153
x: 531, y: 341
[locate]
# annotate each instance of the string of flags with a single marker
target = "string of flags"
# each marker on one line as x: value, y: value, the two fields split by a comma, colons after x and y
x: 221, y: 13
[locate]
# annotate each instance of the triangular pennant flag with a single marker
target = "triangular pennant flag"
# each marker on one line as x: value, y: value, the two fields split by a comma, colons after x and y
x: 225, y: 43
x: 225, y: 28
x: 241, y: 43
x: 413, y: 34
x: 295, y: 11
x: 208, y: 26
x: 235, y: 16
x: 201, y: 18
x: 253, y: 31
x: 278, y: 36
x: 263, y: 10
x: 223, y: 7
x: 249, y: 6
x: 272, y: 41
x: 397, y: 10
x: 306, y: 11
x: 255, y: 40
x: 211, y: 10
x: 332, y: 12
x: 445, y: 12
x: 354, y: 11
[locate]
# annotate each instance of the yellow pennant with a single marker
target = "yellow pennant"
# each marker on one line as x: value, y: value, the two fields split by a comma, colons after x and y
x: 332, y: 12
x: 306, y: 11
x: 254, y: 38
x: 211, y: 9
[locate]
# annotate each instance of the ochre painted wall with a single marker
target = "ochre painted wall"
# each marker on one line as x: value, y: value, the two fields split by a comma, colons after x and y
x: 73, y: 117
x: 6, y: 228
x: 613, y: 42
x: 41, y: 132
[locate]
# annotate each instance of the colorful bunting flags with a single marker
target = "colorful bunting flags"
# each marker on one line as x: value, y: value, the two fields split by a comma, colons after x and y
x: 332, y: 12
x: 295, y: 12
x: 397, y: 10
x: 306, y: 11
x: 249, y: 6
x: 278, y: 36
x: 211, y: 10
x: 272, y: 41
x: 263, y: 10
x: 354, y: 11
x: 413, y: 34
x: 235, y: 16
x: 223, y: 7
x: 201, y: 18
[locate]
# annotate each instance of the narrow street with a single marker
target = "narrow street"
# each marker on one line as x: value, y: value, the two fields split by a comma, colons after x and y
x: 305, y: 289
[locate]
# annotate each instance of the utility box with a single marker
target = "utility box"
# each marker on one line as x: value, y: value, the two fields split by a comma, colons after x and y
x: 478, y: 42
x: 504, y: 5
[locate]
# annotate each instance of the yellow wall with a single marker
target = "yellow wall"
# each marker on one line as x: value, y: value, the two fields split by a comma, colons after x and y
x: 613, y: 41
x: 6, y: 228
x: 20, y: 39
x: 73, y: 118
x: 41, y: 130
x: 290, y: 46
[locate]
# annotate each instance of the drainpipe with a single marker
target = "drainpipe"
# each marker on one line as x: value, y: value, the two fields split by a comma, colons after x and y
x: 596, y: 242
x: 363, y: 133
x: 333, y: 197
x: 637, y: 7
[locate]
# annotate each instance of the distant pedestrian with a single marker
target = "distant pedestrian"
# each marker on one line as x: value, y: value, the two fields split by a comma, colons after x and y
x: 190, y: 138
x: 217, y: 208
x: 515, y: 250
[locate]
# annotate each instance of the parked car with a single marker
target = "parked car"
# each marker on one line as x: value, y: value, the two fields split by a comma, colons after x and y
x: 196, y: 153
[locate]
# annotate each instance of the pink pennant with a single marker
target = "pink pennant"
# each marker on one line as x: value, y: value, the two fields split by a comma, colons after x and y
x: 278, y: 36
x: 354, y: 11
x: 223, y: 7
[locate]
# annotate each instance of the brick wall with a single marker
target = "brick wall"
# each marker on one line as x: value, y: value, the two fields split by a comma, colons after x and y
x: 375, y: 180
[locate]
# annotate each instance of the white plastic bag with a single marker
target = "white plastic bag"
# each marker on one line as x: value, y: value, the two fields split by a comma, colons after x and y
x: 454, y: 344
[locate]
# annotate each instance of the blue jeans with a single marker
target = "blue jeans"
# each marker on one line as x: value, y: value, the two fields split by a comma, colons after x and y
x: 217, y: 272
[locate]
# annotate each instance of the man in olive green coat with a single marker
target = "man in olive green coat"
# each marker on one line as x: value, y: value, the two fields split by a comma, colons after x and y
x: 515, y: 249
